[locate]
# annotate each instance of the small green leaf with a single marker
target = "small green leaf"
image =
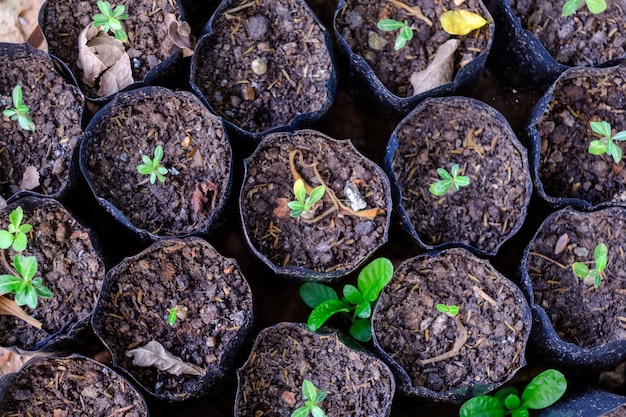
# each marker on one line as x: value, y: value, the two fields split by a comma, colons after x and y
x: 440, y: 188
x: 602, y: 128
x: 43, y: 291
x: 324, y: 311
x: 544, y: 390
x: 158, y: 154
x: 482, y: 406
x: 316, y: 194
x: 20, y: 242
x: 399, y: 43
x: 461, y: 181
x: 374, y: 277
x: 317, y: 412
x: 444, y: 174
x: 299, y: 190
x: 308, y: 390
x: 616, y: 153
x: 300, y: 412
x: 620, y: 136
x: 26, y: 266
x: 9, y: 284
x: 597, y: 281
x: 520, y: 412
x: 352, y: 294
x: 390, y: 24
x: 512, y: 401
x: 600, y: 251
x: 596, y: 6
x: 502, y: 393
x: 597, y: 147
x: 364, y: 310
x: 580, y: 269
x: 27, y: 297
x: 314, y: 293
x: 361, y: 330
x: 6, y: 239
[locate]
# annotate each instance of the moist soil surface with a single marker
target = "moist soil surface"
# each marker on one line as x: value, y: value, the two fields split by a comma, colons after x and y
x: 582, y: 39
x: 189, y: 273
x: 73, y: 386
x: 444, y: 132
x: 492, y: 314
x: 288, y: 39
x: 566, y: 169
x: 196, y: 153
x: 580, y: 313
x: 335, y: 240
x: 148, y: 44
x: 38, y: 160
x: 270, y: 382
x: 356, y: 23
x: 68, y: 264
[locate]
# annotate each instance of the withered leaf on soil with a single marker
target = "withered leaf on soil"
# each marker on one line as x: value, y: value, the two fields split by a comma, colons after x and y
x: 439, y: 71
x: 9, y: 307
x: 155, y: 355
x: 30, y: 179
x: 103, y: 58
x: 180, y: 34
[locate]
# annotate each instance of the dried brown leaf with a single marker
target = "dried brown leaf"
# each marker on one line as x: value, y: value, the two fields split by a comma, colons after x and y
x: 8, y: 307
x: 561, y: 243
x: 282, y: 211
x: 103, y: 60
x: 180, y: 34
x: 439, y: 71
x: 30, y: 178
x: 155, y: 355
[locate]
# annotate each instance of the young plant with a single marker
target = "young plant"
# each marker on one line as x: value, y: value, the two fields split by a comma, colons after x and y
x: 110, y: 19
x: 594, y: 6
x: 20, y: 111
x: 356, y: 302
x: 582, y: 271
x: 312, y: 400
x: 175, y: 313
x: 15, y: 235
x: 23, y: 285
x: 541, y: 392
x: 448, y: 180
x: 405, y: 34
x: 153, y: 166
x: 304, y: 205
x: 452, y: 310
x: 606, y: 144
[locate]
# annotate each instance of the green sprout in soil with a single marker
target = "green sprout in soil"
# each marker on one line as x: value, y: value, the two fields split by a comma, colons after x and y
x: 541, y: 392
x: 305, y: 205
x: 606, y: 144
x: 23, y: 285
x: 15, y: 235
x: 405, y: 34
x: 594, y: 6
x: 449, y: 180
x: 110, y: 19
x: 452, y: 310
x: 312, y: 400
x: 176, y: 313
x: 20, y: 111
x: 356, y: 302
x: 153, y: 166
x: 582, y: 271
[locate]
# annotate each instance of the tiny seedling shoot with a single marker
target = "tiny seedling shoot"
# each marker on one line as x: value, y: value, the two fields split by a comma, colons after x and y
x: 404, y: 35
x: 606, y: 144
x: 153, y: 166
x: 541, y: 392
x: 15, y: 235
x: 305, y: 205
x: 452, y: 310
x: 110, y: 19
x: 20, y: 111
x: 582, y: 271
x: 356, y: 303
x: 312, y: 400
x: 595, y: 6
x: 23, y: 285
x: 449, y: 181
x: 176, y: 313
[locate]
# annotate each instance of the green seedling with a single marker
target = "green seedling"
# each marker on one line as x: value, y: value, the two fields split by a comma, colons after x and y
x: 305, y: 205
x: 15, y: 235
x: 541, y: 392
x: 582, y: 271
x: 452, y: 310
x: 449, y: 180
x: 176, y: 313
x: 356, y: 303
x: 20, y: 111
x: 594, y: 6
x: 23, y: 285
x: 312, y: 400
x: 405, y: 34
x: 606, y: 144
x: 110, y: 19
x: 153, y: 166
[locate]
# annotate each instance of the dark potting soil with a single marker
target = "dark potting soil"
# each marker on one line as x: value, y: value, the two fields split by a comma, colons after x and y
x: 447, y: 132
x: 187, y: 273
x: 195, y: 149
x: 71, y: 386
x: 566, y: 169
x: 284, y: 35
x: 579, y: 312
x: 356, y: 23
x: 582, y: 39
x: 408, y: 326
x: 69, y: 266
x: 148, y: 44
x: 56, y: 109
x: 357, y: 383
x: 337, y: 241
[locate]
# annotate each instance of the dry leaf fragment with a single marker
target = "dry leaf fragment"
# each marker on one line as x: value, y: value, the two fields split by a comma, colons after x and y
x: 439, y: 71
x: 180, y: 34
x: 8, y: 307
x: 461, y: 22
x: 30, y: 178
x: 561, y: 243
x: 199, y: 196
x: 103, y: 60
x: 155, y: 355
